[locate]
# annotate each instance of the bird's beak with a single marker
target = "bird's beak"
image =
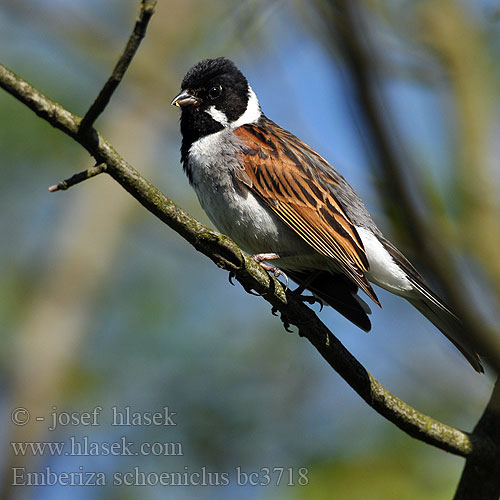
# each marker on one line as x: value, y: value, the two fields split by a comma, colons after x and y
x: 185, y: 98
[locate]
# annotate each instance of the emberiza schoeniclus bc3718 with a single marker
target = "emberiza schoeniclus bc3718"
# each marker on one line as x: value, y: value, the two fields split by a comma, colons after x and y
x: 282, y: 202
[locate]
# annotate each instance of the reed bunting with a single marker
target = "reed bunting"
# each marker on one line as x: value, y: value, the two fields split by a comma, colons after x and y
x: 282, y: 202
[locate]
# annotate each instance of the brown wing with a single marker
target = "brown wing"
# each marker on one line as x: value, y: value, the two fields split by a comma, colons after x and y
x: 282, y: 171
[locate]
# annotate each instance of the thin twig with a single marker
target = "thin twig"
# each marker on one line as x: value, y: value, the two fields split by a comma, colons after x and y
x: 146, y: 11
x: 224, y: 252
x: 79, y: 177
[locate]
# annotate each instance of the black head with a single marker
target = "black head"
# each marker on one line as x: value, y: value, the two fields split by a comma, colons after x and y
x: 215, y: 95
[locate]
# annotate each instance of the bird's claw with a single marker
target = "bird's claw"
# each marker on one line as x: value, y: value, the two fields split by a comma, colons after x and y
x: 284, y: 319
x: 248, y: 290
x: 277, y: 273
x: 261, y: 257
x: 311, y: 299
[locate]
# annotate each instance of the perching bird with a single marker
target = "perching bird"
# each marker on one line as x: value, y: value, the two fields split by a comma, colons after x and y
x: 282, y: 202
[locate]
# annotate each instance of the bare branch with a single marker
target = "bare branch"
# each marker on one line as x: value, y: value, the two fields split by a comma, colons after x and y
x: 224, y: 252
x: 146, y: 11
x: 79, y: 177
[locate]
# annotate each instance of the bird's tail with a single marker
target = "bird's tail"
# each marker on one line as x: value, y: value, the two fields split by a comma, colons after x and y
x: 449, y: 324
x: 433, y: 308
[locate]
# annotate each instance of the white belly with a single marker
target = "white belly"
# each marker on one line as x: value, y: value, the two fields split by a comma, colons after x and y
x: 242, y: 217
x: 235, y: 211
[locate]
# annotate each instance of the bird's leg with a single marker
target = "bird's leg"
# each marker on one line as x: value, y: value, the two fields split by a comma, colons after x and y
x: 310, y: 299
x: 302, y: 288
x: 261, y: 257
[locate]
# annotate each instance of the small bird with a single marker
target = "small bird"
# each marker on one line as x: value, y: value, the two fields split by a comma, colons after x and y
x: 281, y: 202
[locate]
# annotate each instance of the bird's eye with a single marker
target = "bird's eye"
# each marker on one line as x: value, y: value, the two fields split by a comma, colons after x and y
x: 215, y: 92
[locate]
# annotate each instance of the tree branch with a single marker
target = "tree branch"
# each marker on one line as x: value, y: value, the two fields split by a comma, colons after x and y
x: 79, y: 177
x: 146, y: 11
x: 225, y: 254
x: 481, y: 478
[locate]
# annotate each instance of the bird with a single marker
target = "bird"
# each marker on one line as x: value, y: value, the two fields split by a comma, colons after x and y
x: 287, y: 207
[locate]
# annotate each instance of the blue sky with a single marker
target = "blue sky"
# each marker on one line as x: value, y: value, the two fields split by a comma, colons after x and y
x: 212, y: 347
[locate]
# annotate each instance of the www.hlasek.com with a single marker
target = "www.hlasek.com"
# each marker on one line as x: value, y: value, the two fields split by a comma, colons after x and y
x: 265, y: 476
x: 84, y: 447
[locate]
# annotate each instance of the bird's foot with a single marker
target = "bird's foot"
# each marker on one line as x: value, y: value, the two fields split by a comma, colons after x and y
x: 248, y: 290
x: 284, y: 319
x: 261, y: 257
x: 287, y: 321
x: 310, y: 299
